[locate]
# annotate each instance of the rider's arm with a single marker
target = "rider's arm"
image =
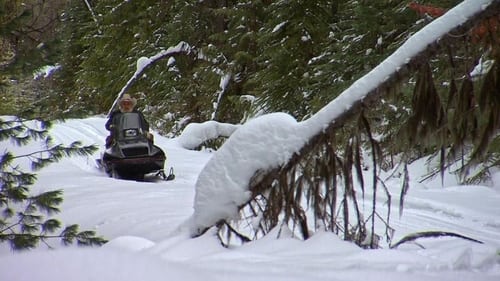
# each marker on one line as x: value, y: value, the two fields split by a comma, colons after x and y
x: 145, y: 126
x: 109, y: 124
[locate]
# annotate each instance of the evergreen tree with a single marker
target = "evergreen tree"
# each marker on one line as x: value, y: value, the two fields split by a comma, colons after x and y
x: 68, y: 95
x: 26, y: 218
x: 290, y: 41
x: 28, y: 42
x: 181, y: 89
x: 293, y: 56
x: 290, y: 56
x: 188, y: 89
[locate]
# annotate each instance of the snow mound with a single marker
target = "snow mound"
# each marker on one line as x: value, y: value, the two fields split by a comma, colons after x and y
x: 197, y: 133
x: 131, y: 243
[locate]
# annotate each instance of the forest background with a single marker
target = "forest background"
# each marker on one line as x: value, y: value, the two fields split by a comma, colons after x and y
x: 246, y: 57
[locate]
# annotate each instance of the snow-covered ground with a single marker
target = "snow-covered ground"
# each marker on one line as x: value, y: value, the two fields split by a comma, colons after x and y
x: 142, y: 219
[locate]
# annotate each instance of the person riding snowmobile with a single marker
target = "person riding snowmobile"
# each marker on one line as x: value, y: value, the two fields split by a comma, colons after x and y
x: 126, y: 105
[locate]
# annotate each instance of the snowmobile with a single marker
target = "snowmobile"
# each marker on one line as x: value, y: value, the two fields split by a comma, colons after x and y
x: 132, y: 155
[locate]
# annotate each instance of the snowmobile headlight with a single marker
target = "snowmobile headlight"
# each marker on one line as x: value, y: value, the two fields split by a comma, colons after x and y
x: 130, y: 133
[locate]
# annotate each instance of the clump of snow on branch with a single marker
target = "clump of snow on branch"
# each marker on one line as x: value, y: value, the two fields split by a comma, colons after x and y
x: 45, y: 71
x: 262, y: 143
x: 279, y: 26
x: 224, y: 81
x: 481, y: 68
x: 142, y: 63
x: 196, y: 134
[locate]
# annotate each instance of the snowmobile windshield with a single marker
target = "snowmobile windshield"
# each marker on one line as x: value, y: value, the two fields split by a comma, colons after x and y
x: 130, y: 120
x: 130, y: 125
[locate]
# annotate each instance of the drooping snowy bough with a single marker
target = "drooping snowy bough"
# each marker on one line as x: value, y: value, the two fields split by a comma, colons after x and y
x: 282, y: 172
x: 144, y: 63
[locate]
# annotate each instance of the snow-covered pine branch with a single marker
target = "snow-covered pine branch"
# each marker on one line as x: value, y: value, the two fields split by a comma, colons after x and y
x: 259, y: 149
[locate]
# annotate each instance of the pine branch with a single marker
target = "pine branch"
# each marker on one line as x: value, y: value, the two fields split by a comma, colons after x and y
x: 24, y: 241
x: 27, y: 227
x: 56, y: 153
x: 431, y: 234
x: 47, y: 200
x: 231, y: 229
x: 93, y: 15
